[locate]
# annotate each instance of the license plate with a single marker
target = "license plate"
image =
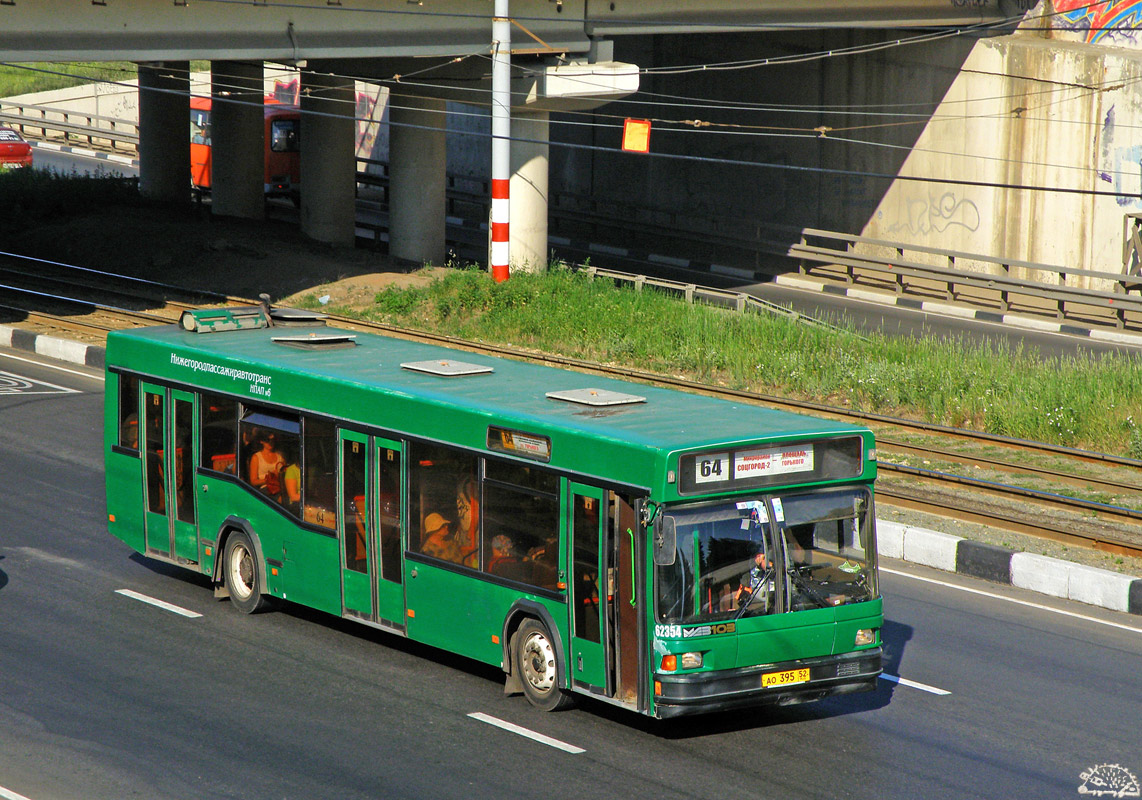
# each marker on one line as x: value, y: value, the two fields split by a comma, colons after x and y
x: 786, y: 678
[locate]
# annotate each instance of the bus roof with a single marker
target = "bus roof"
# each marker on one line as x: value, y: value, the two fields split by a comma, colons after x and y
x: 367, y: 384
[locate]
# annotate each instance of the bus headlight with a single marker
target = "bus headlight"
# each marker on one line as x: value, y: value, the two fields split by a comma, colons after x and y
x: 672, y: 662
x: 865, y: 636
x: 691, y: 660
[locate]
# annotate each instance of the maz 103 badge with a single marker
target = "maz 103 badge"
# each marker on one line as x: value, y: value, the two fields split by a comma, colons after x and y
x: 678, y: 632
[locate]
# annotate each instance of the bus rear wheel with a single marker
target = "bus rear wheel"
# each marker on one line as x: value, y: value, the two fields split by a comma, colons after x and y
x: 538, y: 668
x: 241, y: 574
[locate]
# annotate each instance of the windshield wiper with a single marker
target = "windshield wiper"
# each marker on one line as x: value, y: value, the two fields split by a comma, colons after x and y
x: 803, y: 585
x: 755, y: 590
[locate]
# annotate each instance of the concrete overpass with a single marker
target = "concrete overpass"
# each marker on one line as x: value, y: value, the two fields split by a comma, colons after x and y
x: 564, y: 43
x: 162, y: 30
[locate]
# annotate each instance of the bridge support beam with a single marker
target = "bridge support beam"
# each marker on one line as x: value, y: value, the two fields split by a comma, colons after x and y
x: 164, y: 147
x: 417, y: 180
x: 328, y: 163
x: 529, y: 194
x: 237, y: 139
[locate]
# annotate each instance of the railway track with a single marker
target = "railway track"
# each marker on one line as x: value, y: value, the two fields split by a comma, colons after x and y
x: 1030, y: 488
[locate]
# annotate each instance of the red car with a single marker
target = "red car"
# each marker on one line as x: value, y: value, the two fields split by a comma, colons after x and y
x: 14, y: 151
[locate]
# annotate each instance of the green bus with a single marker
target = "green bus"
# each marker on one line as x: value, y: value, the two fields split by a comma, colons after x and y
x: 658, y: 550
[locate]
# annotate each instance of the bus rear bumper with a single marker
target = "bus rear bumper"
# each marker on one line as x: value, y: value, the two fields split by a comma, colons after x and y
x: 704, y: 692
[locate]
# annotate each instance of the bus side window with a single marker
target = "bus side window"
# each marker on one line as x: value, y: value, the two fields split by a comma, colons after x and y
x: 129, y: 411
x: 219, y: 433
x: 441, y: 482
x: 319, y: 473
x: 521, y: 529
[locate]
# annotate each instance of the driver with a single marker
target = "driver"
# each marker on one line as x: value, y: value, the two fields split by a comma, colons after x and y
x: 758, y: 579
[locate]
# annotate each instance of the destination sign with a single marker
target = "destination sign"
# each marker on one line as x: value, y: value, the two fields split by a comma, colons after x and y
x: 750, y: 467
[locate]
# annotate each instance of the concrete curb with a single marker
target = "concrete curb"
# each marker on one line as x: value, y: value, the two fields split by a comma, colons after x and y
x: 84, y: 151
x: 1049, y: 576
x: 89, y: 355
x: 948, y: 310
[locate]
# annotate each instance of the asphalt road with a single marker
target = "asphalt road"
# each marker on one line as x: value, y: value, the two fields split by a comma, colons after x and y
x: 105, y: 696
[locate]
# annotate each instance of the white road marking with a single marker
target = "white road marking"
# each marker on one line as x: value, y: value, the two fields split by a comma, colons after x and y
x: 516, y: 729
x: 914, y: 684
x: 142, y: 598
x: 8, y: 794
x: 53, y: 366
x: 1026, y: 603
x: 11, y: 383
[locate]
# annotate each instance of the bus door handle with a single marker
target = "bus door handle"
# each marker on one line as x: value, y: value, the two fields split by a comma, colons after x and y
x: 630, y: 533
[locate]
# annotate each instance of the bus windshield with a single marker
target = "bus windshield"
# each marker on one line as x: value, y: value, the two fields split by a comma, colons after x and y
x: 767, y: 554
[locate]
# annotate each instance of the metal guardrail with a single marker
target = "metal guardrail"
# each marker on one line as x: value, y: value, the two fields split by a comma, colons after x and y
x: 803, y: 244
x: 1117, y: 304
x: 695, y: 293
x: 37, y: 120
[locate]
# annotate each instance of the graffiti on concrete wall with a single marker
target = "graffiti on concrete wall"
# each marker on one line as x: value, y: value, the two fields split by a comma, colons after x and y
x: 1120, y: 165
x: 926, y: 215
x: 1112, y: 22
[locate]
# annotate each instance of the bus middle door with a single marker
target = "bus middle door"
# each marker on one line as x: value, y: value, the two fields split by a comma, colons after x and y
x: 370, y: 529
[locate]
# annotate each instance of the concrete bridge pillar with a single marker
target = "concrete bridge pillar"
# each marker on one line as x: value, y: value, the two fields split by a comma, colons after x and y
x: 237, y: 139
x: 164, y: 146
x: 417, y: 180
x: 328, y: 161
x: 529, y: 195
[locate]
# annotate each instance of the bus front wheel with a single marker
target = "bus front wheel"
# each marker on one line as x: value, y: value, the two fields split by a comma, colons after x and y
x: 241, y: 574
x: 538, y: 668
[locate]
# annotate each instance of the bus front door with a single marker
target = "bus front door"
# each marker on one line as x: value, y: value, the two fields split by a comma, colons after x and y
x: 370, y: 529
x: 590, y: 661
x: 168, y: 473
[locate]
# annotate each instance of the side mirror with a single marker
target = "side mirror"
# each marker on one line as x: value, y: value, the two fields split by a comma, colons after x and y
x: 665, y: 543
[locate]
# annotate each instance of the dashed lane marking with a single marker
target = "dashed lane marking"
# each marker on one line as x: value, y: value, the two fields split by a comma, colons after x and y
x: 142, y: 598
x: 527, y: 734
x: 914, y: 684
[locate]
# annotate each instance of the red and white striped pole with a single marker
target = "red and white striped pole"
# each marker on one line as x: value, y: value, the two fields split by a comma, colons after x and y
x: 499, y: 256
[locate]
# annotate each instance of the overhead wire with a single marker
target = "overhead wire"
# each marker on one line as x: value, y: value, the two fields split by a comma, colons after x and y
x: 737, y: 129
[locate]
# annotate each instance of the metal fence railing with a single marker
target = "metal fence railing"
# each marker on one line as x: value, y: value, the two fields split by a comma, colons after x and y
x: 51, y: 122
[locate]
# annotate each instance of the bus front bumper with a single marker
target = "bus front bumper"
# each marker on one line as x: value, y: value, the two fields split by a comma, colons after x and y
x: 704, y: 692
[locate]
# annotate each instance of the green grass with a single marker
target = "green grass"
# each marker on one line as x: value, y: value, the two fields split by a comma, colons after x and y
x: 1088, y: 401
x: 18, y: 79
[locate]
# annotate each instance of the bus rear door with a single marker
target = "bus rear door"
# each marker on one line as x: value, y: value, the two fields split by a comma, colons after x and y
x: 168, y: 472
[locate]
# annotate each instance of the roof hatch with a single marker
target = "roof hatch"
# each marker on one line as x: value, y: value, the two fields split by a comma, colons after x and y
x: 317, y: 341
x: 596, y: 397
x: 447, y: 368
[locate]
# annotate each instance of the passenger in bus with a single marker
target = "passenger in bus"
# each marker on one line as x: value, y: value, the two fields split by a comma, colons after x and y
x: 291, y: 479
x: 505, y: 563
x: 129, y: 433
x: 468, y: 522
x: 438, y: 539
x: 545, y: 561
x: 266, y: 465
